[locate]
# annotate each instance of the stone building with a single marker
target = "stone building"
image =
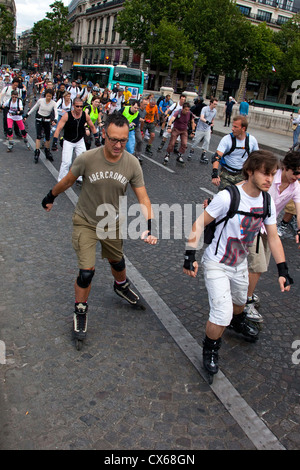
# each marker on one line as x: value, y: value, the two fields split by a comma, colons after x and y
x: 95, y: 39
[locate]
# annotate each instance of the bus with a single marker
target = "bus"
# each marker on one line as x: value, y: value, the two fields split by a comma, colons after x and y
x: 108, y: 75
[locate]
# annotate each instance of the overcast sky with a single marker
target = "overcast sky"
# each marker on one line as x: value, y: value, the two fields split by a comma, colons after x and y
x: 31, y: 11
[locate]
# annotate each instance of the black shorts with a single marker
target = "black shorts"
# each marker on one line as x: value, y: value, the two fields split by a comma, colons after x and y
x: 42, y: 123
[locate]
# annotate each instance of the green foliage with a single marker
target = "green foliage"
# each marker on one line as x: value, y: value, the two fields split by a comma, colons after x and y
x: 227, y: 42
x: 6, y: 25
x: 53, y: 33
x: 288, y: 41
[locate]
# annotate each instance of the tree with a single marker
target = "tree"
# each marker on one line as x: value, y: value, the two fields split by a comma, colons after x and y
x: 153, y: 27
x: 219, y: 34
x: 262, y: 52
x: 53, y: 33
x: 288, y: 40
x: 6, y: 26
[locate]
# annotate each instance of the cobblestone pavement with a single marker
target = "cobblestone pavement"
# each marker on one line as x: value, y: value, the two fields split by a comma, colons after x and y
x: 137, y: 384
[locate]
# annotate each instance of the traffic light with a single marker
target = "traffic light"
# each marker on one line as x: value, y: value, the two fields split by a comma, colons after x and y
x: 107, y: 59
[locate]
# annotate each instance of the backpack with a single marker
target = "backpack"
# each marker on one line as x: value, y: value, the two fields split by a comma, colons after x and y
x: 209, y: 231
x: 233, y: 147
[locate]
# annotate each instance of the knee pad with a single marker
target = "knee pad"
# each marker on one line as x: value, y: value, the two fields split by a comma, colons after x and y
x: 118, y: 265
x: 85, y: 277
x: 9, y: 131
x: 24, y: 133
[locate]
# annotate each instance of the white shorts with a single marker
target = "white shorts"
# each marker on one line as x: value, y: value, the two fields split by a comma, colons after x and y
x: 226, y: 285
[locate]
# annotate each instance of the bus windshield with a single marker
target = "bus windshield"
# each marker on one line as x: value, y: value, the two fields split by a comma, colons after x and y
x: 128, y: 76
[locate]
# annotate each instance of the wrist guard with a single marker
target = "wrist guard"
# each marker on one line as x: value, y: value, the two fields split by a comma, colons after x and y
x: 283, y: 271
x: 189, y: 258
x: 49, y: 199
x: 152, y: 227
x: 54, y: 143
x: 214, y: 173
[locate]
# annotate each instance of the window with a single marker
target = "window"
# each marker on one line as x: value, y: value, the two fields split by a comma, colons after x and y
x: 245, y: 10
x: 264, y: 16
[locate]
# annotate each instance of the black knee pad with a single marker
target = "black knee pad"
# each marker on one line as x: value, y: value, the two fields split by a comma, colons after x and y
x: 24, y: 133
x: 85, y: 277
x: 9, y: 131
x: 118, y: 265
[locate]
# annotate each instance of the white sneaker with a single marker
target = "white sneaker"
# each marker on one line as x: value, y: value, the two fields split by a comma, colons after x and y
x: 252, y: 313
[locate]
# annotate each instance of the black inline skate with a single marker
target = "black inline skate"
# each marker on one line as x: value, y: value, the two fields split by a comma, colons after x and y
x: 203, y: 158
x: 248, y: 329
x: 211, y: 357
x: 36, y: 155
x: 80, y: 323
x: 124, y: 291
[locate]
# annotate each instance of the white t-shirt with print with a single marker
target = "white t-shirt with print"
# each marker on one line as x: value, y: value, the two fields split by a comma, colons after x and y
x: 240, y: 231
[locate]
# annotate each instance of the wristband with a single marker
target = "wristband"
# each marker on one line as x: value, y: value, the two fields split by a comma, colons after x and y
x: 49, y: 199
x: 283, y: 272
x: 214, y: 173
x: 189, y: 258
x: 152, y: 227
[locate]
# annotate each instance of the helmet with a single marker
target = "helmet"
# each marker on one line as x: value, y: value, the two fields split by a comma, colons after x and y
x: 89, y: 84
x: 114, y: 100
x: 95, y: 88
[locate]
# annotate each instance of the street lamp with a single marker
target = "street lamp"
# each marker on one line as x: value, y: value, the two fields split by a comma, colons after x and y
x: 168, y: 82
x: 191, y: 85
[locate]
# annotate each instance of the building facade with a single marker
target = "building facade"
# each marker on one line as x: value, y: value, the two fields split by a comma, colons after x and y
x: 95, y: 39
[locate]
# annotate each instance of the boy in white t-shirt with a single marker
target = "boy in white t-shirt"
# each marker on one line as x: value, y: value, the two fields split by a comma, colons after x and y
x: 226, y: 271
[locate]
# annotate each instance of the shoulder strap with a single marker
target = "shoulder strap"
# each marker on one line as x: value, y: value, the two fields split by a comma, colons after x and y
x: 233, y: 145
x: 233, y: 208
x: 267, y: 204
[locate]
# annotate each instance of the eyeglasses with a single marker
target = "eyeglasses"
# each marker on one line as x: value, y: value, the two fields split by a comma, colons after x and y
x: 296, y: 173
x: 116, y: 141
x: 76, y: 106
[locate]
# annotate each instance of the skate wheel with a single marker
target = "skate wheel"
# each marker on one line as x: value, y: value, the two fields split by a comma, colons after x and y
x: 78, y: 344
x: 210, y: 379
x: 139, y: 306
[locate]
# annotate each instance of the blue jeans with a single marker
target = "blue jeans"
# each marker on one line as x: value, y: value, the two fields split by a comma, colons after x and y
x: 296, y: 135
x: 131, y: 142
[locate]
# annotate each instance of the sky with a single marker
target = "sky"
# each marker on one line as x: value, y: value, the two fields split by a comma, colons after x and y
x: 31, y: 11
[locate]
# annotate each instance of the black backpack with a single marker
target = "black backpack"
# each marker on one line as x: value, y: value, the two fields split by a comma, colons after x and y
x: 233, y: 147
x: 209, y: 231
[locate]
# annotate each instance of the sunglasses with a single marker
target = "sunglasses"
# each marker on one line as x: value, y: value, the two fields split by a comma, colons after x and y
x: 296, y: 173
x: 76, y: 106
